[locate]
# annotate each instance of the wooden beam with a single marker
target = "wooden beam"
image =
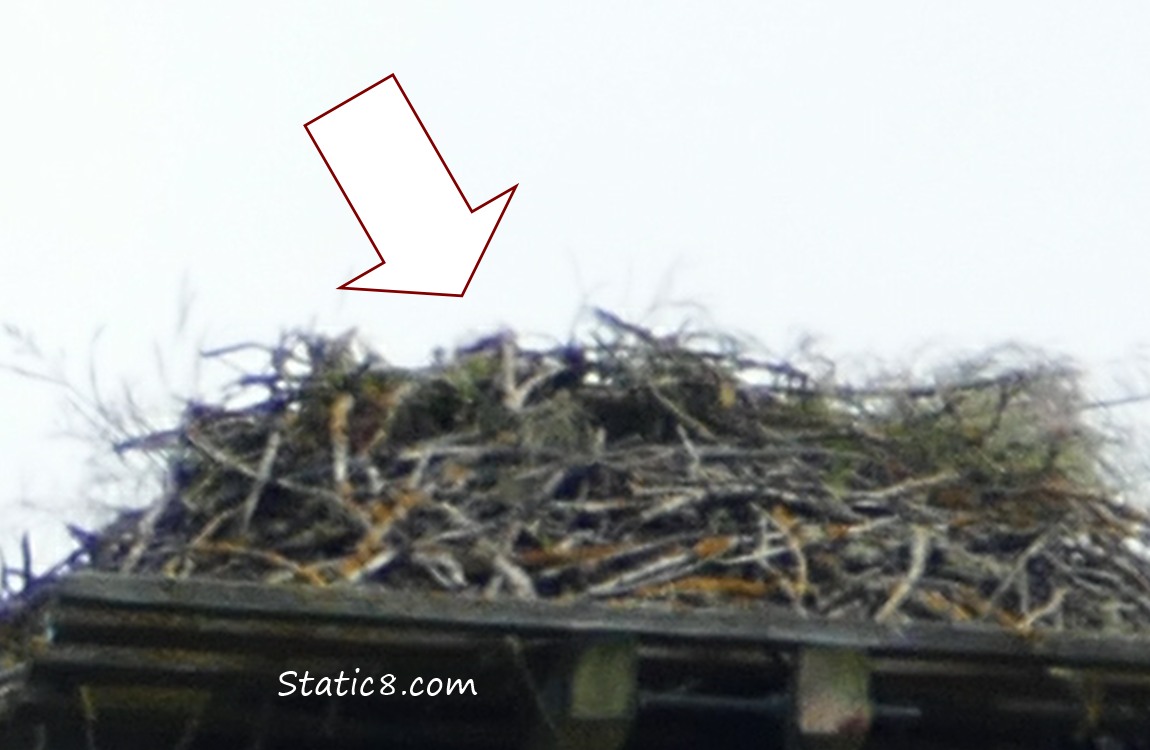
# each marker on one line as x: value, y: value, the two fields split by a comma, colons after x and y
x: 590, y: 699
x: 426, y: 612
x: 832, y: 704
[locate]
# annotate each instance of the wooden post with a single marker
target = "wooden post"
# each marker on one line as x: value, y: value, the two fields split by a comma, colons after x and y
x: 590, y: 698
x: 832, y: 706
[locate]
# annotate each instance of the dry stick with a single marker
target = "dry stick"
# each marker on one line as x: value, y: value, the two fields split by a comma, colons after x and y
x: 658, y: 571
x: 700, y: 429
x: 1004, y: 585
x: 1051, y: 606
x: 182, y: 568
x: 465, y: 527
x: 213, y: 525
x: 917, y: 484
x: 340, y: 451
x: 569, y: 553
x: 442, y: 566
x: 673, y: 504
x: 415, y: 479
x: 920, y: 549
x: 146, y: 530
x: 508, y: 352
x: 263, y: 475
x: 798, y: 588
x: 763, y: 550
x: 272, y: 558
x: 692, y: 452
x: 5, y: 589
x: 1124, y: 564
x: 354, y: 571
x: 1081, y: 583
x: 611, y: 320
x: 330, y: 499
x: 26, y: 560
x: 518, y: 395
x: 516, y: 577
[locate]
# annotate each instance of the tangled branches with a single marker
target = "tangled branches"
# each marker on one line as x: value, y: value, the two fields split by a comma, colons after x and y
x: 637, y: 466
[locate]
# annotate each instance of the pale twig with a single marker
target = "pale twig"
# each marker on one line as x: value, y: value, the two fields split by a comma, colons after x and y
x: 660, y: 570
x: 920, y: 550
x: 507, y: 356
x: 517, y: 579
x: 213, y: 525
x: 1020, y: 564
x: 330, y: 499
x: 696, y: 461
x: 517, y: 397
x: 263, y: 476
x: 908, y: 487
x: 372, y: 565
x: 26, y: 559
x: 442, y: 566
x: 674, y: 504
x: 801, y: 585
x: 423, y: 460
x: 682, y: 416
x: 145, y: 532
x: 340, y: 450
x: 764, y: 550
x: 266, y: 556
x: 1050, y: 607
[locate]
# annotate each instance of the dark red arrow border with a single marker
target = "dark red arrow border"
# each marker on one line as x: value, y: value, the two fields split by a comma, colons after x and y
x: 348, y: 284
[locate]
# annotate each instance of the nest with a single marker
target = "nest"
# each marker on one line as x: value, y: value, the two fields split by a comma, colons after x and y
x: 635, y: 467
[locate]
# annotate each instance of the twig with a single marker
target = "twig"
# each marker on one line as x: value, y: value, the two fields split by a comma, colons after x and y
x: 763, y: 551
x: 801, y: 585
x: 684, y: 418
x: 517, y: 578
x: 1020, y: 564
x: 330, y: 499
x: 442, y: 566
x: 674, y: 504
x: 1050, y: 607
x: 920, y: 549
x: 26, y: 559
x: 696, y: 460
x: 145, y: 532
x: 266, y: 556
x: 910, y: 486
x: 660, y: 570
x: 213, y: 525
x: 263, y: 475
x: 340, y: 452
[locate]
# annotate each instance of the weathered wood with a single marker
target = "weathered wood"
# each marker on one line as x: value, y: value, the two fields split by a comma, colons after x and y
x: 748, y: 672
x: 776, y: 628
x: 833, y: 709
x: 590, y: 698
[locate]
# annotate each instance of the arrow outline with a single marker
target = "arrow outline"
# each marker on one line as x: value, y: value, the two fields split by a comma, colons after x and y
x: 510, y: 193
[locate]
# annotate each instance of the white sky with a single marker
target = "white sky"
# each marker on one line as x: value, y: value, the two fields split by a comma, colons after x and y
x: 884, y: 174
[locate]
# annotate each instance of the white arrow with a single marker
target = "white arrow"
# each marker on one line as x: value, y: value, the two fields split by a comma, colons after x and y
x: 404, y: 195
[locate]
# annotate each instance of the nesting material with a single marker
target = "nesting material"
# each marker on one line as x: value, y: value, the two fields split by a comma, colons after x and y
x: 636, y: 467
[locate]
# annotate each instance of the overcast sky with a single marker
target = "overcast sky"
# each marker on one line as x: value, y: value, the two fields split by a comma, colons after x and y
x: 885, y: 175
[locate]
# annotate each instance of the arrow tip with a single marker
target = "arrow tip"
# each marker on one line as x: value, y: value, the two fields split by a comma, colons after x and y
x: 435, y: 257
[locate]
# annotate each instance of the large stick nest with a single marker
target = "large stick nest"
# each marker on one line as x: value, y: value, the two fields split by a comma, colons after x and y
x: 638, y: 467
